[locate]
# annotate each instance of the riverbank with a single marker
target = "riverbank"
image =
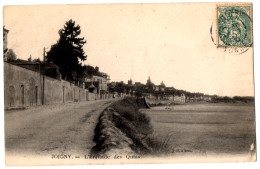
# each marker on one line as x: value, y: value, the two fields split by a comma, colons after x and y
x: 200, y: 131
x: 206, y: 130
x: 123, y: 129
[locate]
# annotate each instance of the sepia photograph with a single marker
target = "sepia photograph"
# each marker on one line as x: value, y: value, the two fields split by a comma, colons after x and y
x: 130, y: 83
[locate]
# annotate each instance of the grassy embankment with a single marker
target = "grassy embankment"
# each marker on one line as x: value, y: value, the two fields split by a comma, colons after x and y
x: 124, y: 128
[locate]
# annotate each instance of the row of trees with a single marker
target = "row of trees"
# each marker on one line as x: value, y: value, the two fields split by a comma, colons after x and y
x: 234, y: 99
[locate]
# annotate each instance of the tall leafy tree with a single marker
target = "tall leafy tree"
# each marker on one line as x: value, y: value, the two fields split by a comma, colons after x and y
x: 68, y: 51
x: 11, y: 55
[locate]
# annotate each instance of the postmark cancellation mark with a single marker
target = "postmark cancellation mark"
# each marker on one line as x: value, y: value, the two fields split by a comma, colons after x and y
x: 234, y: 26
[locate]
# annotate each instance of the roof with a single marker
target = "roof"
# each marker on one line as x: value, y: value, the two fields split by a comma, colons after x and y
x: 51, y: 65
x: 169, y: 88
x: 26, y: 62
x: 23, y: 62
x: 92, y: 86
x: 5, y: 30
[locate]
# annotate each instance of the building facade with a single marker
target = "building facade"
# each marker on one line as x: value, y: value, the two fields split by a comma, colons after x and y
x: 5, y: 49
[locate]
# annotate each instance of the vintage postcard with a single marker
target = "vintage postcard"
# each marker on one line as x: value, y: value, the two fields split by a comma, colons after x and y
x: 128, y: 83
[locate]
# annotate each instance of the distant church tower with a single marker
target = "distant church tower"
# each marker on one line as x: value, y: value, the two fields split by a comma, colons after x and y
x: 149, y: 81
x: 162, y: 84
x: 130, y: 82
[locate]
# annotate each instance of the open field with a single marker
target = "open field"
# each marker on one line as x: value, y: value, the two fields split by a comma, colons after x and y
x: 205, y: 129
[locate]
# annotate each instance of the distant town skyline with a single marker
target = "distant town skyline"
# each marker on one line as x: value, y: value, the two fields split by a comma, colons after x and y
x: 139, y: 40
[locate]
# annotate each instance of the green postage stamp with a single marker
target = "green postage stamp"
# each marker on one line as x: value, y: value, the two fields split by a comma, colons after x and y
x: 234, y: 25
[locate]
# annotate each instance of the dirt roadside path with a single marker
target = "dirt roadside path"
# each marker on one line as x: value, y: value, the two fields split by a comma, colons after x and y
x: 53, y: 129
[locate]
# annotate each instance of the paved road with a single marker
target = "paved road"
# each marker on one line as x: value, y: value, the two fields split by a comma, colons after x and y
x: 53, y: 129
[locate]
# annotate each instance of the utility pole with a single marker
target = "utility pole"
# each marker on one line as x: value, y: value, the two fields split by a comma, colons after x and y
x: 44, y: 55
x: 43, y: 75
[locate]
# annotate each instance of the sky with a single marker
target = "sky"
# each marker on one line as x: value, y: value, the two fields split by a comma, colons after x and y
x: 168, y: 42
